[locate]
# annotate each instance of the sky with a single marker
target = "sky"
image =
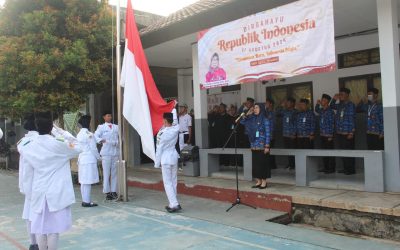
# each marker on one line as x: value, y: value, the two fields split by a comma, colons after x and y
x: 159, y: 7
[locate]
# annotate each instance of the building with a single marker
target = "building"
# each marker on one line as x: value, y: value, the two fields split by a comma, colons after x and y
x: 367, y: 48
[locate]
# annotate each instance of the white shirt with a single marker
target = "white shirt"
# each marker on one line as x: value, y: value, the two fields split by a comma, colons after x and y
x: 60, y: 133
x: 174, y: 116
x: 87, y: 143
x: 1, y: 133
x: 24, y: 187
x: 185, y: 121
x: 109, y: 133
x: 165, y: 149
x: 49, y: 160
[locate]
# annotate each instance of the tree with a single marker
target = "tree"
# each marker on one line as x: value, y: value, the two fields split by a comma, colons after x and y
x: 53, y: 53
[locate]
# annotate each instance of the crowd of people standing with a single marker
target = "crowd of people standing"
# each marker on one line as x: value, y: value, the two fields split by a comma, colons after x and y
x: 333, y: 118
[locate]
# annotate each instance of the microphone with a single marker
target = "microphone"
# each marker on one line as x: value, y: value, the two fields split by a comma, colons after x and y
x: 240, y: 117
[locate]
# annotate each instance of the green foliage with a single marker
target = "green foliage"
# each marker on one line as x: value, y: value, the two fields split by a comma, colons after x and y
x: 53, y: 53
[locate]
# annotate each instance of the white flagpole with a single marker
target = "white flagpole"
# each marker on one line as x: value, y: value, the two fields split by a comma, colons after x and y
x: 122, y: 183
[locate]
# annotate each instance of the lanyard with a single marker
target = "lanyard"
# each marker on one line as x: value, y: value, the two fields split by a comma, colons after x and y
x: 370, y: 109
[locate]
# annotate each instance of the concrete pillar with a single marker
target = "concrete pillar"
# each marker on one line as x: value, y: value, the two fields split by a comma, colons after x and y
x: 132, y: 142
x: 200, y: 104
x: 181, y: 86
x: 389, y: 55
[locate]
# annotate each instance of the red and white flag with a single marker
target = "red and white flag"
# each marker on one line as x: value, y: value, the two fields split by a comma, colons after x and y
x: 143, y: 105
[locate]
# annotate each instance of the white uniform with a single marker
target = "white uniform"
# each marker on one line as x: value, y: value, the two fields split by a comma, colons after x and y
x: 185, y: 121
x: 25, y: 183
x: 167, y: 158
x: 109, y: 154
x: 26, y: 187
x: 1, y: 133
x: 52, y: 191
x: 87, y: 163
x: 60, y: 133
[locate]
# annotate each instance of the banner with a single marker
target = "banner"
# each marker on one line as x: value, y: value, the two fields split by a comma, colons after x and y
x: 290, y: 40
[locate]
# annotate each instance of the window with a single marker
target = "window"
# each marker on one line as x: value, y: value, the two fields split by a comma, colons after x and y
x: 359, y: 58
x: 359, y: 86
x: 297, y: 91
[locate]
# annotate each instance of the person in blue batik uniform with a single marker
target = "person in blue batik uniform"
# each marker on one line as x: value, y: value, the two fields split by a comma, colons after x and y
x: 270, y: 114
x: 326, y: 130
x: 345, y: 127
x: 288, y: 114
x: 305, y: 125
x: 374, y: 112
x: 259, y: 132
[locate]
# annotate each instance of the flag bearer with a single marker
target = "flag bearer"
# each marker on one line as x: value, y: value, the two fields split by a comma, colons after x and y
x: 25, y: 181
x: 167, y: 159
x: 87, y: 162
x: 326, y: 129
x: 374, y: 112
x: 48, y: 166
x: 107, y: 135
x: 185, y: 125
x: 305, y: 125
x: 345, y: 126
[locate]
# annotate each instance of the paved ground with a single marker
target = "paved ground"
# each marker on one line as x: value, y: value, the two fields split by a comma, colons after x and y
x: 380, y: 203
x: 142, y: 224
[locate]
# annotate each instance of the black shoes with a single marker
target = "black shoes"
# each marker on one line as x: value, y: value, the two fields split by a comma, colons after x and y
x: 256, y: 186
x: 34, y: 247
x: 90, y: 204
x: 173, y: 209
x: 112, y: 196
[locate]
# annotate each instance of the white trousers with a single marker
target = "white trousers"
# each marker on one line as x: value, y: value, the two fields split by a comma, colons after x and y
x: 182, y: 143
x: 170, y: 179
x: 85, y: 192
x: 109, y: 164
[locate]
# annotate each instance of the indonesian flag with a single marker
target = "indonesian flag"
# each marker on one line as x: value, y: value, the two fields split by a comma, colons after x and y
x: 143, y: 105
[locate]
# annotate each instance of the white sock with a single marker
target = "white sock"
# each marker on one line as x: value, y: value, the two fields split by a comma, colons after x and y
x: 52, y: 241
x: 41, y: 241
x: 32, y: 237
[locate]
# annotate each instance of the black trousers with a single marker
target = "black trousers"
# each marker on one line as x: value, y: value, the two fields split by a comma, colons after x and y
x: 374, y: 142
x: 348, y: 162
x: 304, y: 143
x: 291, y: 144
x: 272, y: 159
x: 329, y: 162
x: 261, y: 168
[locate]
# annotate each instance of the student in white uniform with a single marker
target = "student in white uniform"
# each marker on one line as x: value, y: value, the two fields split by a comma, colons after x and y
x: 185, y: 127
x: 167, y: 159
x: 48, y: 161
x: 88, y: 173
x: 26, y: 187
x: 1, y: 133
x: 107, y: 135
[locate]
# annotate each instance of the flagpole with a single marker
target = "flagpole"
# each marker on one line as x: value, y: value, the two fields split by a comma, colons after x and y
x: 121, y: 166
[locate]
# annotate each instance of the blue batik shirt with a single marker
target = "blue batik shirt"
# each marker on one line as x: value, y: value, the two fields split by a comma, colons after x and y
x: 345, y: 117
x: 326, y: 120
x: 288, y: 121
x: 258, y: 130
x: 305, y: 123
x: 374, y: 117
x: 271, y: 118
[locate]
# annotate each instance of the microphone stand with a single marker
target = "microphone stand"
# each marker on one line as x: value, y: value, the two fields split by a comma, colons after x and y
x: 238, y: 200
